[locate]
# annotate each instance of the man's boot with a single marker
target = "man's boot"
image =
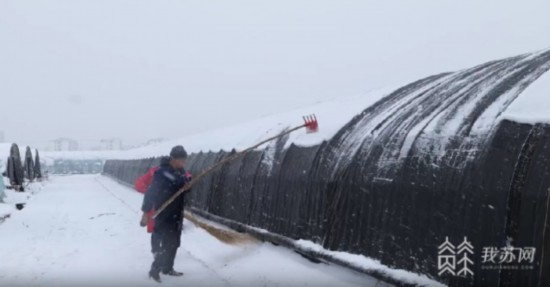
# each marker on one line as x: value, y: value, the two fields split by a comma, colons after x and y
x: 172, y: 273
x: 155, y: 276
x: 154, y: 273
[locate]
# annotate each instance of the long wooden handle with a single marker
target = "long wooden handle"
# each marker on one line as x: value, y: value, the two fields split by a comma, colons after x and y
x: 218, y: 165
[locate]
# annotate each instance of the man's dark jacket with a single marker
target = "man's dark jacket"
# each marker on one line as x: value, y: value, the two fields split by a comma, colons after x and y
x: 166, y: 182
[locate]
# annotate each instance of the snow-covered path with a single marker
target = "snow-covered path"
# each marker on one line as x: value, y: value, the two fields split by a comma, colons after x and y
x: 83, y: 231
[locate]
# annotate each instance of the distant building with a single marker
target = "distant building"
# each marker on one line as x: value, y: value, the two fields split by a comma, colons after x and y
x: 112, y: 144
x: 71, y: 144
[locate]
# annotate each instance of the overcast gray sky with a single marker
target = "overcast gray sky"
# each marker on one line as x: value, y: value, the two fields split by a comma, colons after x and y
x: 138, y: 69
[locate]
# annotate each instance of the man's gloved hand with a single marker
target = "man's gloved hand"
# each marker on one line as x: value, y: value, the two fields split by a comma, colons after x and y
x: 189, y: 177
x: 183, y: 180
x: 180, y: 181
x: 144, y: 220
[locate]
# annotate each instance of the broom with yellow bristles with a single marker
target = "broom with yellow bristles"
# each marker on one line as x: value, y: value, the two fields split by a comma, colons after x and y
x: 223, y: 235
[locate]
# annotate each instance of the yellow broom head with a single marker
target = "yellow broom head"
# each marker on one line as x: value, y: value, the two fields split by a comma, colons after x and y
x: 223, y: 235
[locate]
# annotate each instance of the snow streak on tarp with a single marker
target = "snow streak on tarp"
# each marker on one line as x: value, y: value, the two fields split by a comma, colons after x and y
x: 430, y: 160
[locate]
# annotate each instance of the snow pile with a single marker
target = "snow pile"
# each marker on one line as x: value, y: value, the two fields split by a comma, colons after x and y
x: 367, y: 263
x: 13, y: 197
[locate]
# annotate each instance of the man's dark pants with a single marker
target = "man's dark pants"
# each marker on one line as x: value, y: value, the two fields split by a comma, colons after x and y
x: 165, y: 241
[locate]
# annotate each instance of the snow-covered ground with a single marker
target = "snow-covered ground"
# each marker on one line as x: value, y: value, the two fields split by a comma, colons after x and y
x: 12, y: 197
x: 83, y: 230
